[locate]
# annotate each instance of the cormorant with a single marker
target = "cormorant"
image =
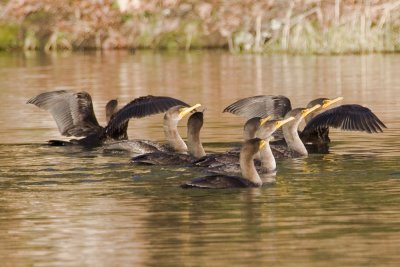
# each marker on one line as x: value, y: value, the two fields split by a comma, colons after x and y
x: 265, y: 163
x: 74, y: 115
x: 250, y: 177
x: 179, y: 157
x: 351, y: 117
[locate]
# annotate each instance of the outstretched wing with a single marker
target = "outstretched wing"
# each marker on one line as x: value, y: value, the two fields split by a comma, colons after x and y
x: 142, y: 107
x: 73, y: 112
x: 346, y: 117
x: 260, y: 106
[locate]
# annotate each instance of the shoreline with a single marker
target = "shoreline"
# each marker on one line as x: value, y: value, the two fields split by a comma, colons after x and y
x: 262, y: 27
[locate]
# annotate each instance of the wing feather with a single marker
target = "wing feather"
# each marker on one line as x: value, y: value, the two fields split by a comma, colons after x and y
x: 142, y: 107
x: 73, y: 112
x: 364, y: 124
x: 260, y: 106
x: 346, y: 117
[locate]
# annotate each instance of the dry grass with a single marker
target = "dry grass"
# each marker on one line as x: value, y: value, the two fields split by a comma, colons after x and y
x: 256, y: 26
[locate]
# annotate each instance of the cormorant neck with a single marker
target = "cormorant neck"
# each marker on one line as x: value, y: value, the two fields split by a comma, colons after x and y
x: 268, y: 162
x: 172, y: 135
x: 194, y: 143
x: 248, y: 169
x: 311, y: 116
x: 248, y: 134
x: 293, y: 139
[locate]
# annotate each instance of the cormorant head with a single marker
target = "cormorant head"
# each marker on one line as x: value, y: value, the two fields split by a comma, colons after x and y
x: 324, y: 102
x: 111, y: 108
x: 176, y: 113
x: 266, y: 130
x: 300, y: 113
x: 252, y: 125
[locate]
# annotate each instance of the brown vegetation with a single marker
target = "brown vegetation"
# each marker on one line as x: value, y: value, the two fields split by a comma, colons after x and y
x: 298, y: 26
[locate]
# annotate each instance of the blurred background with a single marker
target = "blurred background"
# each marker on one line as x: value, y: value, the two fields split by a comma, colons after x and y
x: 294, y: 26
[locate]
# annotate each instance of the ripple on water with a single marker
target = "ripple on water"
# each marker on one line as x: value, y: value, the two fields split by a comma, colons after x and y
x: 331, y: 209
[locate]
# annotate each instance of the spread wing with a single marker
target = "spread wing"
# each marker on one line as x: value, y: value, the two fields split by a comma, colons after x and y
x: 73, y: 112
x: 260, y: 106
x: 142, y: 107
x: 346, y: 117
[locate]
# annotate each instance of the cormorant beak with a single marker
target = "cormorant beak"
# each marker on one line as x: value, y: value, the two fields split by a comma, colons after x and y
x: 262, y: 121
x: 282, y: 122
x: 307, y: 111
x: 327, y: 103
x: 184, y: 111
x: 262, y: 144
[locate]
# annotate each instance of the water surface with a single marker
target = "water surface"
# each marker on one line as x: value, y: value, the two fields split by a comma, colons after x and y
x: 71, y: 207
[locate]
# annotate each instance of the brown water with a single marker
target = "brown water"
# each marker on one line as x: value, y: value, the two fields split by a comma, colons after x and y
x: 72, y: 207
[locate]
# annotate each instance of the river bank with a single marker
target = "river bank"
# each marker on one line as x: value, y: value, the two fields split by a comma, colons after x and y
x: 300, y: 27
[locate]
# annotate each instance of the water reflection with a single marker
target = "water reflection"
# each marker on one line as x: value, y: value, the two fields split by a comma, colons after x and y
x: 68, y: 206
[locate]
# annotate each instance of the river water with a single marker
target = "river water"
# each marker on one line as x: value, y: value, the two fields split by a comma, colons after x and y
x: 65, y: 206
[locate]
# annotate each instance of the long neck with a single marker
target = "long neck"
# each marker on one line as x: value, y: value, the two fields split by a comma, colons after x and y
x: 293, y: 139
x: 311, y: 116
x: 172, y: 135
x: 268, y: 162
x: 248, y: 169
x: 248, y: 134
x: 194, y: 143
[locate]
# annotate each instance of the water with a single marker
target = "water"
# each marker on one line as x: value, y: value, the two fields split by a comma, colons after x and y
x: 71, y: 207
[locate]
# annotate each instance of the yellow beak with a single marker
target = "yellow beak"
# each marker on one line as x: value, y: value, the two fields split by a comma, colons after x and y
x: 327, y: 103
x: 282, y: 122
x: 262, y: 121
x: 305, y: 112
x: 262, y: 144
x: 184, y: 111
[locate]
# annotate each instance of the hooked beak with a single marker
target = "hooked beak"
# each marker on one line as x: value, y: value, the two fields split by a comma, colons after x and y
x: 282, y: 122
x: 327, y: 103
x: 307, y: 111
x: 184, y: 111
x: 262, y: 121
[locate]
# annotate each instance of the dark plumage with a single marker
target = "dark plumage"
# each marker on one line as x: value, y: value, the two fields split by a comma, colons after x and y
x: 142, y: 107
x: 73, y: 112
x: 250, y: 177
x: 345, y: 117
x: 228, y: 163
x: 111, y: 108
x: 162, y: 158
x: 219, y: 181
x: 222, y: 159
x: 260, y: 106
x: 136, y: 146
x: 74, y: 115
x: 217, y: 159
x: 195, y: 148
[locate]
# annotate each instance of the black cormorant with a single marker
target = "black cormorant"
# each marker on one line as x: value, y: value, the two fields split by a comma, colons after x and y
x: 74, y: 115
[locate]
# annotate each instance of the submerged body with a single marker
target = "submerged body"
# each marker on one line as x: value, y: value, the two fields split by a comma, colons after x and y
x: 215, y: 161
x: 250, y: 177
x: 135, y: 147
x: 186, y: 153
x: 265, y: 163
x: 227, y: 162
x: 315, y: 135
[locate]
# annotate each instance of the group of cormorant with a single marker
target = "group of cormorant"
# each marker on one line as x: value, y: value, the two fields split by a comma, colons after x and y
x: 271, y: 131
